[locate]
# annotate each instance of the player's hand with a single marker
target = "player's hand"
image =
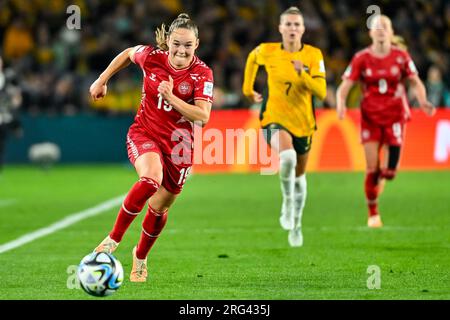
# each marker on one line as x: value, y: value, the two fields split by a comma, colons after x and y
x: 428, y: 108
x: 298, y: 66
x: 256, y: 97
x: 165, y: 88
x: 98, y: 90
x: 341, y: 112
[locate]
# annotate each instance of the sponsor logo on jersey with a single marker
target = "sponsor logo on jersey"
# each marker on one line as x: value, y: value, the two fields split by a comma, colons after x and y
x: 395, y: 70
x: 184, y: 88
x: 152, y: 77
x: 348, y: 71
x: 412, y: 66
x: 208, y: 89
x: 147, y: 145
x: 322, y: 66
x: 400, y: 60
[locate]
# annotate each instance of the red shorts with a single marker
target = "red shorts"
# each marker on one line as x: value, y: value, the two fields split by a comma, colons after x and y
x: 392, y: 135
x: 174, y: 175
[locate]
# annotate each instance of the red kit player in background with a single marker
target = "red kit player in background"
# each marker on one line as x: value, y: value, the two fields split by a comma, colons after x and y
x: 176, y: 93
x: 382, y: 69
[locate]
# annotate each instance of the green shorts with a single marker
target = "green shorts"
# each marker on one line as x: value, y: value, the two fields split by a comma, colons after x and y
x: 302, y: 145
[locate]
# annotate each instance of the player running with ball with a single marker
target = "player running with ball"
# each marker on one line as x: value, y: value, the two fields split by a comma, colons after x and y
x: 177, y: 91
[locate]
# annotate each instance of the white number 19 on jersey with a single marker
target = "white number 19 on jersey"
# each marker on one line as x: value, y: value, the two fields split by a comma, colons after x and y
x: 184, y: 173
x: 163, y: 103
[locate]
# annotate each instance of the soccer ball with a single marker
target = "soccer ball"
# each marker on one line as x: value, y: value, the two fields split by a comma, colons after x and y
x: 44, y: 154
x: 100, y: 274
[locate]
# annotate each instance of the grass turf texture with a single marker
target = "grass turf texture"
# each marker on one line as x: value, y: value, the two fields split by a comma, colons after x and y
x: 223, y: 239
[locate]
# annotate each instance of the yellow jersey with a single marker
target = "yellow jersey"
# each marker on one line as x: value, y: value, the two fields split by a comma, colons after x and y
x: 289, y: 98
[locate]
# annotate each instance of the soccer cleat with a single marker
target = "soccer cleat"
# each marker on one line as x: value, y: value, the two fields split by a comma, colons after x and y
x: 287, y: 215
x: 139, y: 271
x: 295, y: 237
x: 375, y: 222
x: 108, y: 245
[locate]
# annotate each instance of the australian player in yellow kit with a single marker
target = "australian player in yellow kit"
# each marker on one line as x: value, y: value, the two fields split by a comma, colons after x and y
x: 295, y: 73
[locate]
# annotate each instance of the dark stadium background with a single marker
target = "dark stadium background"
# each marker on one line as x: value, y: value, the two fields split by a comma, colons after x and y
x: 54, y: 66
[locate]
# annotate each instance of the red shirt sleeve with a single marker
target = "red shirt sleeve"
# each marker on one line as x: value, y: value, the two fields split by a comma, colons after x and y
x: 353, y: 71
x: 141, y: 55
x: 204, y: 85
x: 409, y: 68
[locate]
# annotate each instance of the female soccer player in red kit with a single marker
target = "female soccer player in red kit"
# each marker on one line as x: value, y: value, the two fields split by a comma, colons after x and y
x: 177, y: 91
x: 382, y: 69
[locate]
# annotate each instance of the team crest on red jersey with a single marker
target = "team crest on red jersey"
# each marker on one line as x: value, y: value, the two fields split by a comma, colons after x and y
x: 184, y: 88
x: 395, y: 70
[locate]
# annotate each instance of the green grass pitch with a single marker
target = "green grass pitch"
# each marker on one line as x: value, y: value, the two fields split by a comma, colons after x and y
x: 223, y: 239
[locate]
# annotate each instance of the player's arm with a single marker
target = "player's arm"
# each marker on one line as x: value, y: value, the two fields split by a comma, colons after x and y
x: 98, y: 89
x: 351, y: 75
x: 316, y: 84
x: 199, y: 111
x: 251, y: 69
x: 421, y: 95
x: 341, y: 97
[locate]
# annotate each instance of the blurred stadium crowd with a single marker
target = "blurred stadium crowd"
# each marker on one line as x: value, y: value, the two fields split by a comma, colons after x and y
x: 54, y: 66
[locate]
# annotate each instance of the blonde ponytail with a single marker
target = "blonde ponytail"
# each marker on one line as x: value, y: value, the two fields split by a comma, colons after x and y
x: 161, y: 37
x: 399, y: 42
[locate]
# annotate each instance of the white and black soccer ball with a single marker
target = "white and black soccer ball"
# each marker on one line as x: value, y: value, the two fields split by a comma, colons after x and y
x: 100, y: 274
x: 44, y: 154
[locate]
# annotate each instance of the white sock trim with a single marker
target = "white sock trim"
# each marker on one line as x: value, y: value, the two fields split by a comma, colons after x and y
x: 128, y: 211
x: 150, y: 235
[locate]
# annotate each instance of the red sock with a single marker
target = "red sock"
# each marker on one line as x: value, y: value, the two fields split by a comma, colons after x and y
x: 152, y: 226
x: 132, y: 206
x: 373, y: 209
x: 371, y: 189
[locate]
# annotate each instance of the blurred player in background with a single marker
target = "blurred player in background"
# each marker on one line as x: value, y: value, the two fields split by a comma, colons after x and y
x: 177, y: 91
x: 10, y: 101
x: 296, y: 72
x: 382, y: 69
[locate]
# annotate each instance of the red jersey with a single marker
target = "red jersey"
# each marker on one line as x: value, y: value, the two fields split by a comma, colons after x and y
x: 165, y: 124
x: 382, y: 79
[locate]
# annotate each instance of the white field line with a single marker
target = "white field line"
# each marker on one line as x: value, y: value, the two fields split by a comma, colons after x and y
x: 61, y: 224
